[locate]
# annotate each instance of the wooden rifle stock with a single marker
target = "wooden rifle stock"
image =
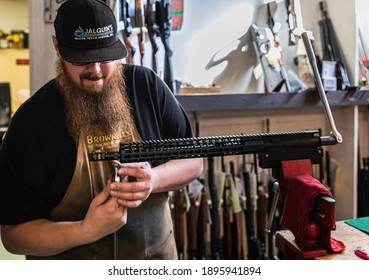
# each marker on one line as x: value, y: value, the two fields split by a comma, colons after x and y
x: 192, y: 223
x: 180, y: 222
x: 262, y: 213
x: 237, y: 221
x: 202, y: 227
x: 215, y: 234
x: 273, y: 219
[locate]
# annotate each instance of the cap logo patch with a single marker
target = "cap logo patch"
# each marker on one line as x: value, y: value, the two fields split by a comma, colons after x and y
x: 94, y: 33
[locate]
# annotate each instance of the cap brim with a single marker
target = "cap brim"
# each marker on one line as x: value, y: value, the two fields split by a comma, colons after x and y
x: 113, y: 52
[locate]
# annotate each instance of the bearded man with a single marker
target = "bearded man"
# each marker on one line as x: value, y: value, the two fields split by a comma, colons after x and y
x: 57, y: 204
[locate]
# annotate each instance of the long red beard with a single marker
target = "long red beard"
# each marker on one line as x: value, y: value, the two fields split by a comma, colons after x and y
x: 107, y: 109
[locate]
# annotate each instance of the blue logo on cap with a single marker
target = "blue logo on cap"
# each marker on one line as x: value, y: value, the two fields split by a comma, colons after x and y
x: 79, y: 32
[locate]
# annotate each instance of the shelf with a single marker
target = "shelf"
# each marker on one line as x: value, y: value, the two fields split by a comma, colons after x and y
x: 252, y: 101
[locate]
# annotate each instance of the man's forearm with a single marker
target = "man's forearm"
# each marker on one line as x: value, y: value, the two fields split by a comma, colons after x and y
x: 43, y: 237
x: 176, y: 174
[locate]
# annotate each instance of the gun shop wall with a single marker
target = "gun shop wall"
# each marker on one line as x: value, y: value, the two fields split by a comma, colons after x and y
x: 214, y: 52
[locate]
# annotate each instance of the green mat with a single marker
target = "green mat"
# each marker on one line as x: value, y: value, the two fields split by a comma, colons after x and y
x: 360, y: 223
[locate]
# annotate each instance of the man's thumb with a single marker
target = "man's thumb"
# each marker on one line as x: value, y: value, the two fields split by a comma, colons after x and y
x: 103, y: 196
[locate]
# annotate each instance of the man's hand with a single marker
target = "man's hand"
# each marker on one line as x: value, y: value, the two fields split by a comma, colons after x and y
x: 138, y: 180
x: 105, y: 215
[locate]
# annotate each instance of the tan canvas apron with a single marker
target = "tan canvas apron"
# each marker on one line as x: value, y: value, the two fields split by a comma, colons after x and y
x: 148, y: 233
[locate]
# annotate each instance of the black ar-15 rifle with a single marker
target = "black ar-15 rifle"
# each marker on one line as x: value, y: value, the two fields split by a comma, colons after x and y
x: 270, y: 147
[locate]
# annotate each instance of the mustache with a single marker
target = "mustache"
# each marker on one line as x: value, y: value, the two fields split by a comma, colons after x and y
x: 92, y: 77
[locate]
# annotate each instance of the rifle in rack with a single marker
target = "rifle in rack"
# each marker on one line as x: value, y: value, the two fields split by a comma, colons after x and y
x: 152, y: 31
x: 164, y: 21
x: 140, y: 23
x: 237, y: 218
x: 214, y: 214
x: 180, y: 222
x: 192, y: 216
x: 127, y: 31
x: 331, y: 48
x: 250, y: 188
x: 227, y: 218
x: 202, y: 226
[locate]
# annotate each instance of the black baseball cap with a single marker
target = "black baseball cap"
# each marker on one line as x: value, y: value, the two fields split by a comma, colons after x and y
x: 86, y: 31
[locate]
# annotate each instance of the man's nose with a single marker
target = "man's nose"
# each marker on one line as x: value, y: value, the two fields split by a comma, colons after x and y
x: 94, y: 67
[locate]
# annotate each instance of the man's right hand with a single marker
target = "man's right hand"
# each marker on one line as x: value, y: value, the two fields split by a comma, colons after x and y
x: 104, y: 215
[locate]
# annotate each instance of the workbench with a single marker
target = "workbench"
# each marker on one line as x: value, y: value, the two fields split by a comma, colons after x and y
x: 350, y: 236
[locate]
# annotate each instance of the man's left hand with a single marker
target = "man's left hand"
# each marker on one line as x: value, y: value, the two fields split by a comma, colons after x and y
x: 137, y: 182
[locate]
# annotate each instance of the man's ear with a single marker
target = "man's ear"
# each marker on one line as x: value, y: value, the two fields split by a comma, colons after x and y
x: 55, y: 43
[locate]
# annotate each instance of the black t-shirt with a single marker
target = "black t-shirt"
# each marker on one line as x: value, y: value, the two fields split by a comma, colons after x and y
x: 37, y: 156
